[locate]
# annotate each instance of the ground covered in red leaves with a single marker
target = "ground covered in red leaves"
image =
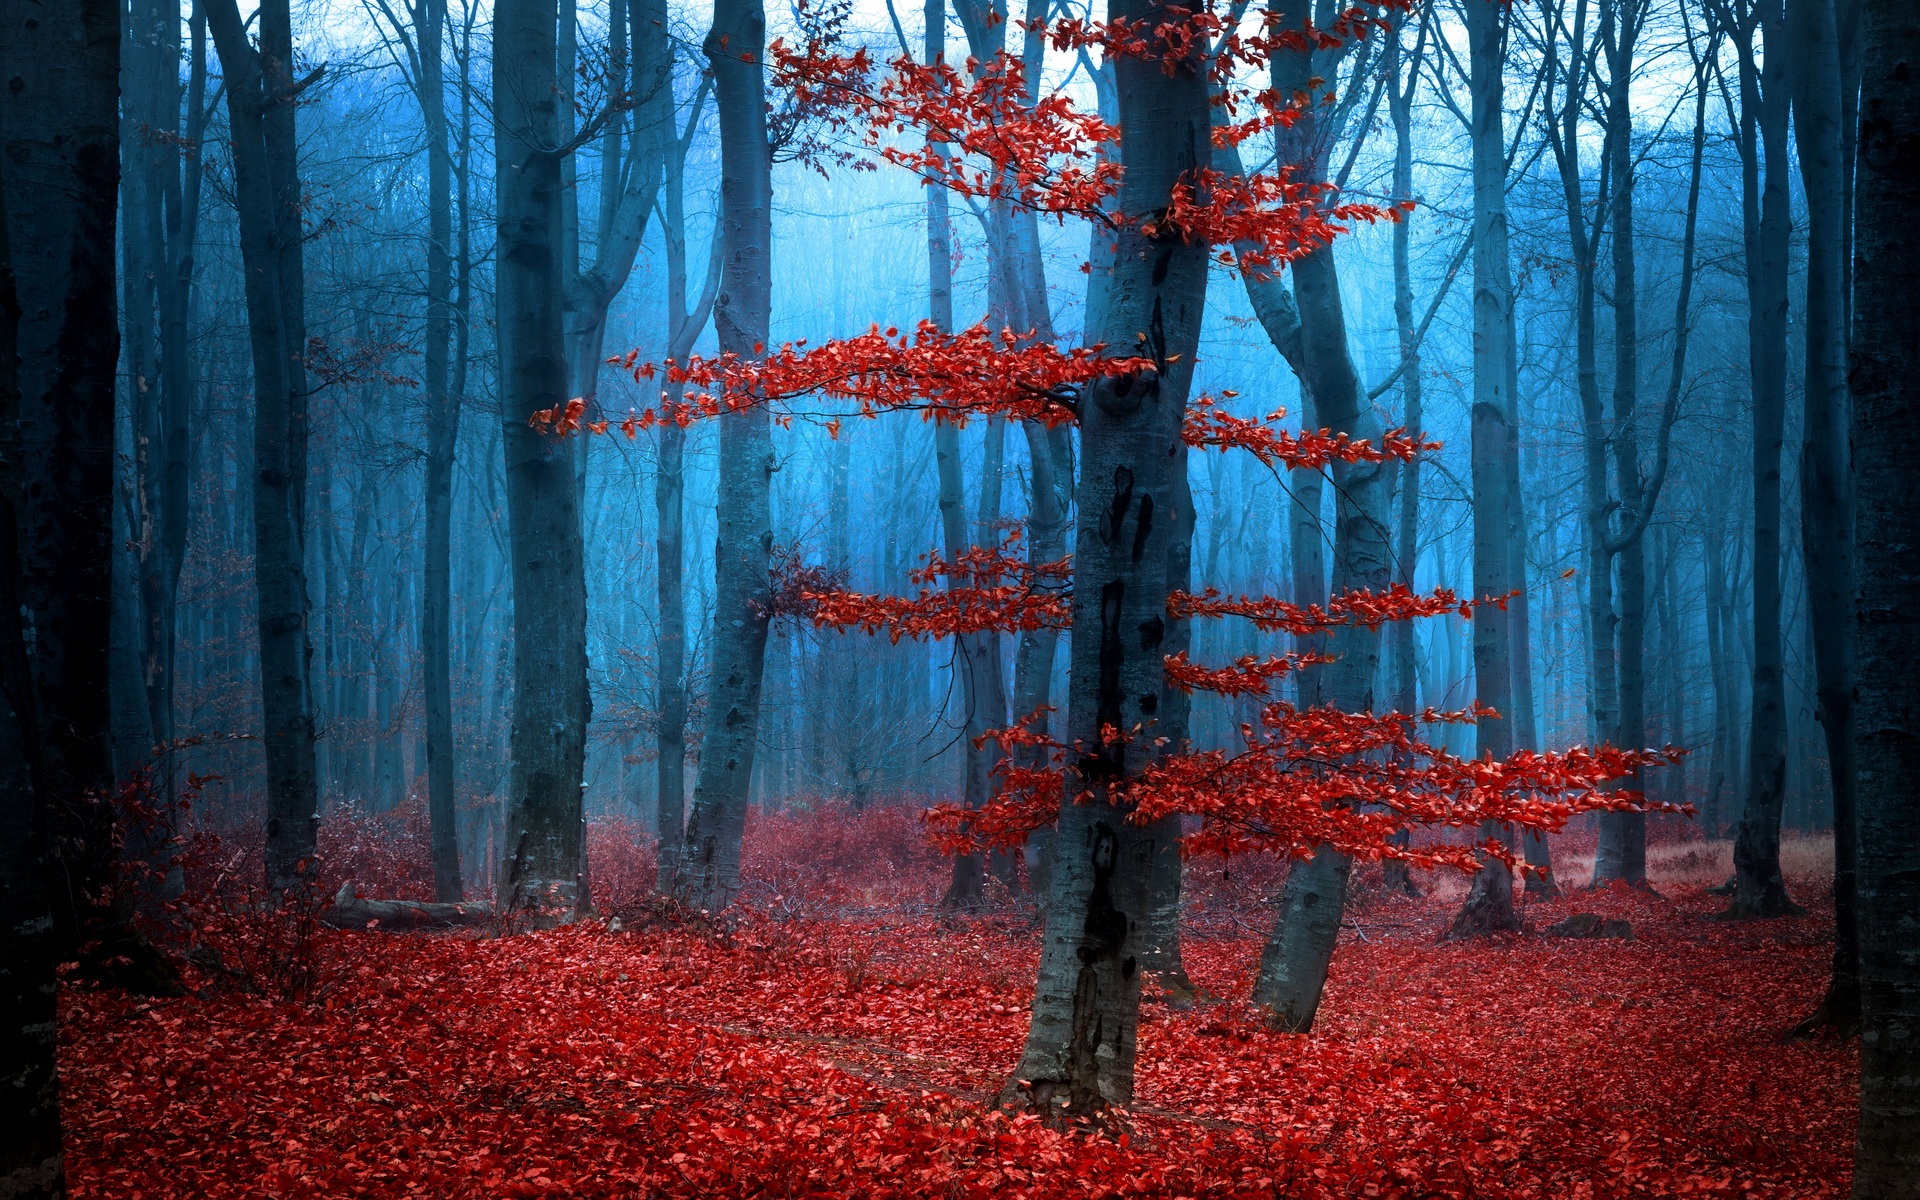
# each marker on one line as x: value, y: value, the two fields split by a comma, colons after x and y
x: 846, y: 1050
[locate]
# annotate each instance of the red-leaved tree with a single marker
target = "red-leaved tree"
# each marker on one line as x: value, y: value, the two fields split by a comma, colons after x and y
x: 1118, y: 786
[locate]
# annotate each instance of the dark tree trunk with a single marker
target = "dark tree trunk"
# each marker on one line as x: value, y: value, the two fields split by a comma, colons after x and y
x: 544, y: 864
x: 1406, y: 548
x: 443, y: 436
x: 59, y: 344
x: 1759, y: 890
x: 710, y: 869
x: 1489, y: 905
x: 260, y: 109
x: 1131, y: 552
x: 1826, y: 499
x: 1622, y: 851
x: 1884, y: 379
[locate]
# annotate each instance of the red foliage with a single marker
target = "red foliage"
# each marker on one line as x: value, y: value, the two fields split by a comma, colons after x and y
x: 843, y: 1059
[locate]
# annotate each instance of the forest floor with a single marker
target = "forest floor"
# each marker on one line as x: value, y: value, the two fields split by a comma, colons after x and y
x: 842, y: 1043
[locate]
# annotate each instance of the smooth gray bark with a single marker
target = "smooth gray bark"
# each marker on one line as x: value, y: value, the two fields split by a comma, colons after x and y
x: 669, y: 498
x: 710, y: 868
x: 1489, y: 906
x: 543, y: 865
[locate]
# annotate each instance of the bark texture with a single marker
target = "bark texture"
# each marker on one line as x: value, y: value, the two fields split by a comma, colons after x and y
x: 261, y: 91
x: 1489, y: 904
x: 1884, y: 378
x: 710, y: 867
x: 1130, y: 553
x: 544, y: 865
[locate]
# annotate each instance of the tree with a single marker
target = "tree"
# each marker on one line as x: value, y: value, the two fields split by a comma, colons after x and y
x: 710, y: 864
x: 684, y: 325
x: 1882, y: 377
x: 59, y: 343
x: 160, y: 192
x: 1118, y: 788
x: 544, y: 866
x: 1826, y: 495
x: 1761, y: 136
x: 261, y: 94
x: 1489, y: 904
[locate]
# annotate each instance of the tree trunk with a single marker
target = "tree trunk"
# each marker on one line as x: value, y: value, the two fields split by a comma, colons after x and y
x: 1622, y: 852
x: 1489, y: 905
x: 59, y: 344
x: 710, y: 869
x: 1131, y: 552
x: 544, y: 863
x: 1759, y: 890
x: 669, y: 497
x: 1884, y: 380
x: 260, y: 108
x: 443, y: 435
x: 1406, y: 550
x: 1826, y: 500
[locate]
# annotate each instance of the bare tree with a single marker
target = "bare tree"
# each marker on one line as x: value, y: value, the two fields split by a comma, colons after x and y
x: 545, y: 865
x: 261, y: 90
x: 710, y: 866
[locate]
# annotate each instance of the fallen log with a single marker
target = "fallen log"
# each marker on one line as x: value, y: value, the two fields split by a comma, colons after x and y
x: 350, y: 910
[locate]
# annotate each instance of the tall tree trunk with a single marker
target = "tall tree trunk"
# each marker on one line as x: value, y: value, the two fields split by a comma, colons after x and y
x: 1297, y: 955
x: 1884, y: 380
x: 669, y: 497
x: 1826, y: 497
x: 1622, y: 851
x: 544, y: 863
x: 1759, y: 889
x: 1406, y: 548
x: 443, y: 435
x: 710, y: 869
x: 260, y: 109
x: 1489, y: 905
x: 1080, y: 1047
x: 59, y: 344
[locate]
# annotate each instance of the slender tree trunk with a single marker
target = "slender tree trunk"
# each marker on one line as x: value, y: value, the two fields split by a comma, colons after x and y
x: 1884, y: 380
x: 260, y: 108
x: 669, y: 497
x: 1489, y: 905
x: 1622, y: 852
x: 1406, y: 550
x: 710, y: 868
x: 544, y: 862
x: 1759, y: 889
x: 443, y: 435
x: 1826, y: 496
x: 1079, y: 1052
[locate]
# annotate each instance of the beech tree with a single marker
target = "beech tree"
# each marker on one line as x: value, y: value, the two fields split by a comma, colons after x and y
x: 1881, y: 377
x: 709, y: 868
x: 544, y: 856
x: 262, y: 88
x: 59, y: 342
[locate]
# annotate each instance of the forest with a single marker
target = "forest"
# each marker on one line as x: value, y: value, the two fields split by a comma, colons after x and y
x: 615, y: 598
